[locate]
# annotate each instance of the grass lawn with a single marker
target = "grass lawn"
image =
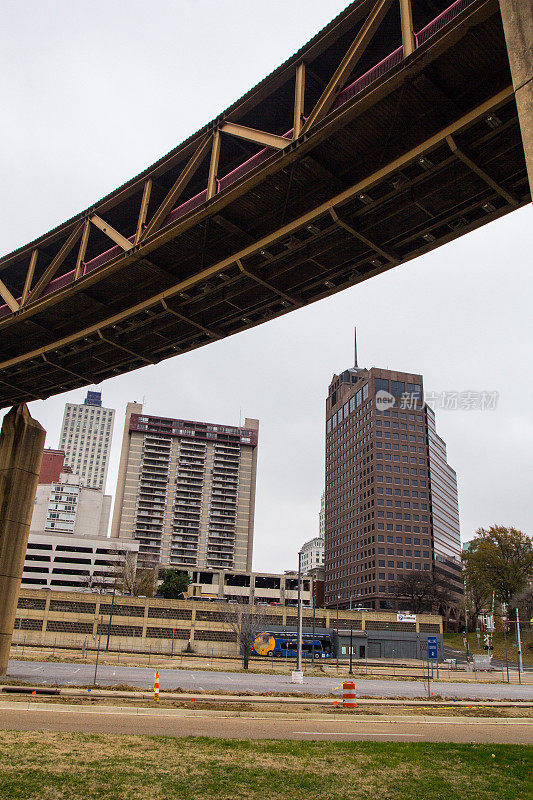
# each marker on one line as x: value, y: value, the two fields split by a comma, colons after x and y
x: 455, y: 640
x: 64, y: 766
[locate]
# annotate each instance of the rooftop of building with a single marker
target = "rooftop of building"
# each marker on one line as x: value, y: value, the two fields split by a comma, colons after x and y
x: 82, y: 539
x: 145, y: 422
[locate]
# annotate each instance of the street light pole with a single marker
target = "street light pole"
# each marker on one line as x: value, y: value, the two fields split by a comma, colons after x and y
x: 520, y: 665
x: 505, y: 640
x: 338, y: 598
x: 111, y: 614
x: 351, y: 648
x: 314, y: 622
x: 466, y: 627
x: 299, y: 636
x: 101, y: 625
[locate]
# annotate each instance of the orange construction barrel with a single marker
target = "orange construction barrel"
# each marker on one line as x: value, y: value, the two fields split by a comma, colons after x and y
x: 349, y: 698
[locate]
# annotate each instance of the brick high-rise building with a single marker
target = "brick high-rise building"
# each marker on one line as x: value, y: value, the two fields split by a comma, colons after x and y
x: 51, y: 465
x: 186, y: 491
x: 86, y: 436
x: 391, y: 497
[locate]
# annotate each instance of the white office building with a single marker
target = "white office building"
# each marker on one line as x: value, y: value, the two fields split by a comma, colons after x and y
x: 313, y: 554
x: 66, y: 506
x: 86, y: 436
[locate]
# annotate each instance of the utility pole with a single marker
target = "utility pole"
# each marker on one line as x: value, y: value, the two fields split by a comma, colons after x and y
x: 314, y: 619
x: 299, y: 635
x: 505, y: 640
x: 466, y: 627
x: 337, y: 648
x: 351, y: 648
x: 520, y: 666
x: 111, y: 614
x: 98, y: 650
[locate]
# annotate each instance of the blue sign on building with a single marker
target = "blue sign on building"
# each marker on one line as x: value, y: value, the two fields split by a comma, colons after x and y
x: 433, y: 648
x: 93, y: 398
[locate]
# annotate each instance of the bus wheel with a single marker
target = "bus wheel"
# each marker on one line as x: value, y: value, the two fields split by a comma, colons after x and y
x: 270, y: 653
x: 277, y: 654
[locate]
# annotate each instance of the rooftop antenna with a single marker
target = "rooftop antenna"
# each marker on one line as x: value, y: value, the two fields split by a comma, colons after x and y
x: 356, y: 366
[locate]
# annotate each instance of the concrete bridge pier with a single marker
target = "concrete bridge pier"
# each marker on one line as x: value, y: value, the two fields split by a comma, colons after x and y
x: 21, y: 452
x: 517, y: 17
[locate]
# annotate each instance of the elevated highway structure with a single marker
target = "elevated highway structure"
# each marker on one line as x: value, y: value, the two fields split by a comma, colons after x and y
x: 392, y: 132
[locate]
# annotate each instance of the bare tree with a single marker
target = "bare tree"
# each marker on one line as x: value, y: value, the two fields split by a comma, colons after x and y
x: 99, y: 582
x: 126, y: 572
x: 121, y: 572
x: 422, y: 591
x: 246, y: 621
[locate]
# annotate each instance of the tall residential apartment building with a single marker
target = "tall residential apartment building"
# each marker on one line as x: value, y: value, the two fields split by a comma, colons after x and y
x: 391, y: 504
x: 86, y: 436
x: 186, y: 491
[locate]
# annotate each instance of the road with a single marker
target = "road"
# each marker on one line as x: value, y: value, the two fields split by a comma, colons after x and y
x: 163, y: 722
x: 37, y: 672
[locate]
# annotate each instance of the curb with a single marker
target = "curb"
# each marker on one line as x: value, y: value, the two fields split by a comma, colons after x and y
x: 229, y: 698
x: 183, y: 713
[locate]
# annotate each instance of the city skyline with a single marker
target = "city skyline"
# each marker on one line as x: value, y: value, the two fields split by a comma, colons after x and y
x: 459, y: 315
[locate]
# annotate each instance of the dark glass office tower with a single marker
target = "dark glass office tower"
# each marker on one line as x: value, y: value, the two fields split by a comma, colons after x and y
x: 391, y: 502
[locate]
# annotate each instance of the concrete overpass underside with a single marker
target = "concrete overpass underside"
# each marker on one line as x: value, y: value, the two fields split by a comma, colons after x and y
x: 394, y: 131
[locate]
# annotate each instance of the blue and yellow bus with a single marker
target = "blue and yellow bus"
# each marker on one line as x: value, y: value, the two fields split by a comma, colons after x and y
x: 285, y: 645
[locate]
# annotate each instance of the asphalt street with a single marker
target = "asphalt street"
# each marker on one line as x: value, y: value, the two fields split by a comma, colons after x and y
x: 171, y: 723
x: 36, y: 672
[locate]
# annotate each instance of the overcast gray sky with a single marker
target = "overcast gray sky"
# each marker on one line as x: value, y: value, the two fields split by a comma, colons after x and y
x: 94, y: 92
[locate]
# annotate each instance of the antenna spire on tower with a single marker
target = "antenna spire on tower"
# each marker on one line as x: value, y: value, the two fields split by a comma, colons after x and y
x: 355, y: 347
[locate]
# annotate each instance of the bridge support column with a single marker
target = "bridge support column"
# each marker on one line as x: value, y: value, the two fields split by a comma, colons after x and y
x: 517, y: 16
x: 21, y: 452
